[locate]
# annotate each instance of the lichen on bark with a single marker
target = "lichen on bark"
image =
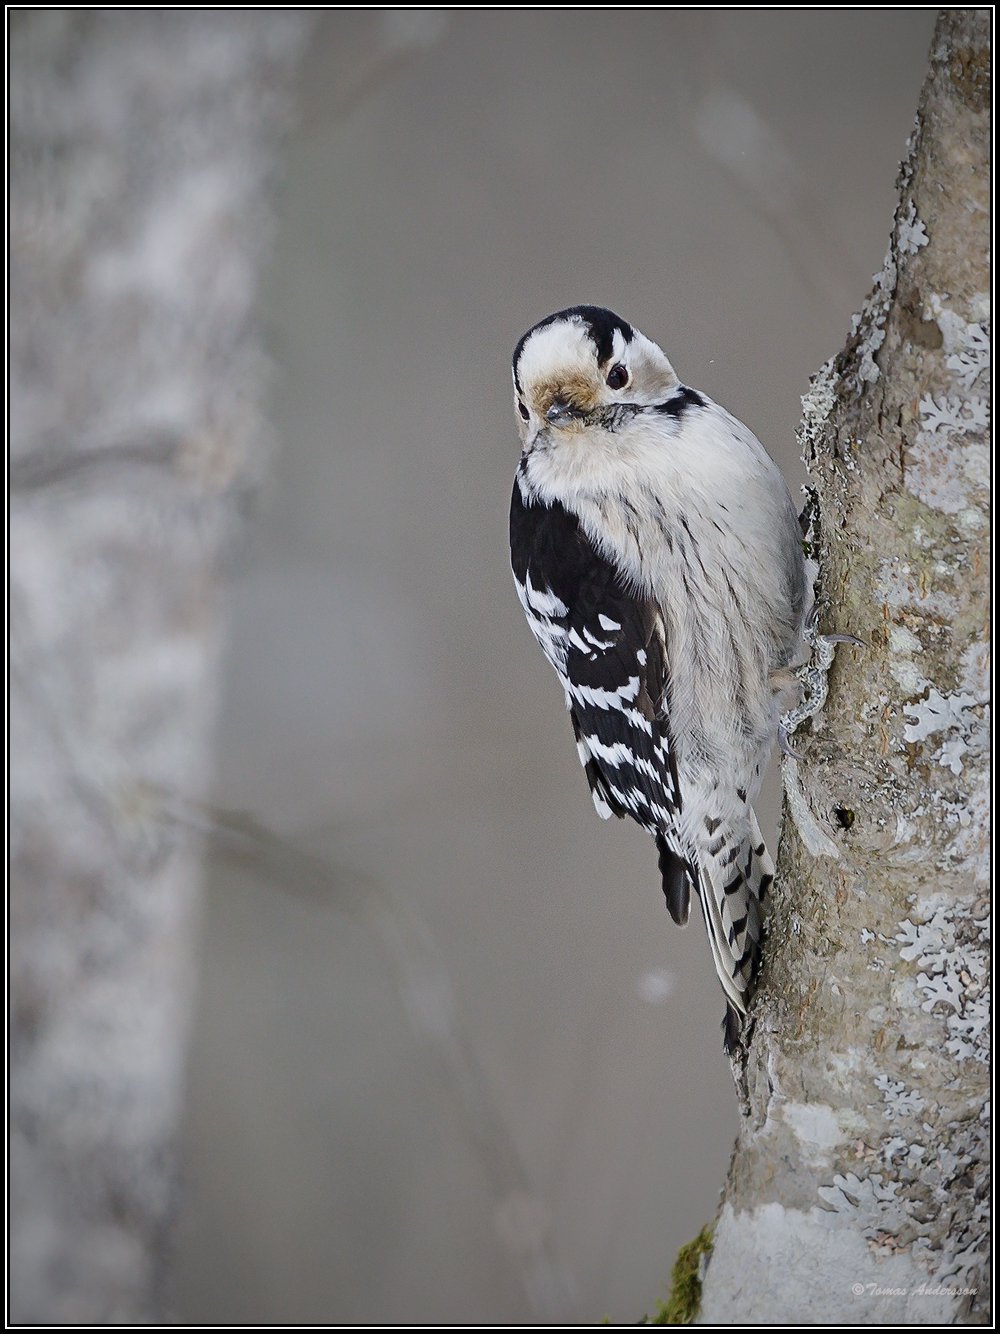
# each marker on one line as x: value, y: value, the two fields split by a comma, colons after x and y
x: 859, y: 1180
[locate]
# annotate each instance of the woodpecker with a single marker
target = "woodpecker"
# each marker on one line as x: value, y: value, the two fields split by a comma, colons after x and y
x: 658, y: 558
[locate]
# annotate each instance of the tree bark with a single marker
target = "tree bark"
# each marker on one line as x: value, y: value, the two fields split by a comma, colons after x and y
x: 858, y: 1189
x: 142, y: 147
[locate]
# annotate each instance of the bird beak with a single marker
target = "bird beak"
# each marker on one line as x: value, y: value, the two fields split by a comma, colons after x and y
x: 561, y: 413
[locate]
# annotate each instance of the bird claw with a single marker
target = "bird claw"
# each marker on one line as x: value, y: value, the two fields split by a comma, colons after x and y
x: 811, y: 632
x: 783, y: 744
x: 844, y: 639
x: 812, y: 678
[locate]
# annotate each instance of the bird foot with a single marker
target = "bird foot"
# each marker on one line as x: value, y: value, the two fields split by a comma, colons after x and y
x: 812, y: 678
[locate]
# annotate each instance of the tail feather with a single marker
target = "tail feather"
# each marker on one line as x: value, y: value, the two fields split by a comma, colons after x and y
x: 735, y: 872
x: 676, y: 881
x: 732, y: 1026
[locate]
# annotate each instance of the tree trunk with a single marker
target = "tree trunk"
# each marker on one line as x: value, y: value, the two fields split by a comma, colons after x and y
x: 141, y: 149
x: 858, y: 1190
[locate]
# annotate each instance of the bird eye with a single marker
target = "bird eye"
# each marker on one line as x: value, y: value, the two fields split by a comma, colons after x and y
x: 523, y: 410
x: 617, y: 377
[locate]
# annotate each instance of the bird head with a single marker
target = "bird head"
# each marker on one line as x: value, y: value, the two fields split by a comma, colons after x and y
x: 586, y: 368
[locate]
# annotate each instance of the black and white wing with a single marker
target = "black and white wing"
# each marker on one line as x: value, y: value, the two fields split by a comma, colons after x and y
x: 608, y: 648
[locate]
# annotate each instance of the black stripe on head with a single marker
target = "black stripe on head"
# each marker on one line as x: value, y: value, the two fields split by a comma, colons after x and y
x: 680, y: 402
x: 599, y: 323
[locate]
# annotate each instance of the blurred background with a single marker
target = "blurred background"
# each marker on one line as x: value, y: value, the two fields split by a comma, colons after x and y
x: 450, y: 1059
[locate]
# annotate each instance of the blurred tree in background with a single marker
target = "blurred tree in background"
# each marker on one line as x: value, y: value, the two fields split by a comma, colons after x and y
x: 142, y: 153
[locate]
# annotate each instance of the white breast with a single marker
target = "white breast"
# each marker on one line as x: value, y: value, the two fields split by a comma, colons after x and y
x: 695, y: 513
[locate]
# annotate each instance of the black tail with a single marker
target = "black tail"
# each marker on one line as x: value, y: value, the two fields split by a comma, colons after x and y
x: 676, y: 882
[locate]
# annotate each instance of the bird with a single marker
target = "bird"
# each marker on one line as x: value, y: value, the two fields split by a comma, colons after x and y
x: 658, y: 558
